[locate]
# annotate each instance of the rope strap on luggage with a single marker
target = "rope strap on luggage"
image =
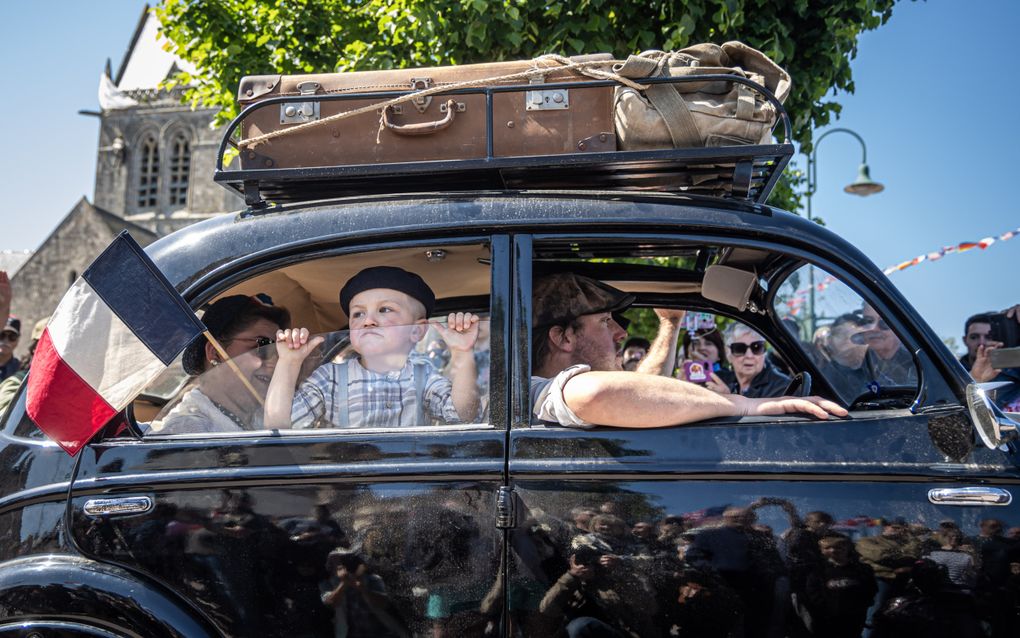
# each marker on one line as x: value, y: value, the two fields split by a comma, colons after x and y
x: 593, y: 69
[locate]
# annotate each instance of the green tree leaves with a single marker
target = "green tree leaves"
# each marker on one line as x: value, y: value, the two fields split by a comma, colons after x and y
x: 227, y: 39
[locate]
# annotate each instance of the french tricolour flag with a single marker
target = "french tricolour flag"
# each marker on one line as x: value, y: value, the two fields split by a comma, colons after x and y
x: 115, y: 330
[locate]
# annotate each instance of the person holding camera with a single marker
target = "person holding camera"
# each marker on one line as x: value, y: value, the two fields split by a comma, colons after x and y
x: 358, y: 597
x: 983, y: 334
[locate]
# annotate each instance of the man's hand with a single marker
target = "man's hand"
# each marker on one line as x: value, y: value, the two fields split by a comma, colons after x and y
x: 582, y: 572
x: 460, y: 331
x: 671, y: 315
x: 814, y: 406
x: 982, y: 369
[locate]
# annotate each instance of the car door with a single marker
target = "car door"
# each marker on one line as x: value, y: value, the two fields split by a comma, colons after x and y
x: 717, y: 528
x: 252, y: 528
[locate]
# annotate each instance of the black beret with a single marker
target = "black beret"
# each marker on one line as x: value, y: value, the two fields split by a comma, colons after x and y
x: 225, y: 318
x: 389, y: 277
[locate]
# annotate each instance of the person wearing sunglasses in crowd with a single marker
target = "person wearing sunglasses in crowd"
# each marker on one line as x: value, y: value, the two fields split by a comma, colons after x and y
x: 750, y: 375
x: 887, y: 357
x: 220, y: 400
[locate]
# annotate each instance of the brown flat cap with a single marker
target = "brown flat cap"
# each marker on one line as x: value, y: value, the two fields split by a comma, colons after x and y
x: 559, y: 299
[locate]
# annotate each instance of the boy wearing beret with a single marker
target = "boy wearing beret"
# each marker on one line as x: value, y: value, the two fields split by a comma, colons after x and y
x: 384, y: 386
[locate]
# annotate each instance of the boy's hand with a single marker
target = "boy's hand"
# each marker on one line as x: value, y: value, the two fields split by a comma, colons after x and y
x: 293, y: 345
x: 460, y: 331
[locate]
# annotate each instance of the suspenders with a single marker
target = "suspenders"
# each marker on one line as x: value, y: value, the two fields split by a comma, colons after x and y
x: 420, y: 376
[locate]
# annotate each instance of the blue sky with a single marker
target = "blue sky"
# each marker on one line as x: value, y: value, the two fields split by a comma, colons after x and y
x: 935, y: 101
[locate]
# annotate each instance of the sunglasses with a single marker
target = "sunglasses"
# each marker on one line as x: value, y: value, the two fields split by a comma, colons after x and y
x: 261, y: 351
x: 9, y: 336
x: 880, y: 324
x: 740, y: 349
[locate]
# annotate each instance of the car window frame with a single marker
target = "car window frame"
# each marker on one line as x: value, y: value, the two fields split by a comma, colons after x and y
x: 211, y: 286
x: 938, y: 386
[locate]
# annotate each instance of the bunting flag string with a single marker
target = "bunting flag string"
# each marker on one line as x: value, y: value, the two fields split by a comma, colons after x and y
x: 948, y: 250
x: 798, y: 299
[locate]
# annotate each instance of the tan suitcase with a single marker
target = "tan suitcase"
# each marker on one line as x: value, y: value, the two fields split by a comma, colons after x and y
x: 435, y: 127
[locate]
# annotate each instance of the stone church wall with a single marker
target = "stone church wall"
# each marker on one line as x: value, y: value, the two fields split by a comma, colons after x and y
x: 118, y: 165
x: 41, y: 281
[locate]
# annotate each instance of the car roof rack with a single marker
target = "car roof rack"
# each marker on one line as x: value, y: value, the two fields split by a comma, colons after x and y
x: 743, y: 172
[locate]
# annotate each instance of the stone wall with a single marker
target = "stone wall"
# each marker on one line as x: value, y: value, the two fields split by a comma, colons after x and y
x: 42, y: 281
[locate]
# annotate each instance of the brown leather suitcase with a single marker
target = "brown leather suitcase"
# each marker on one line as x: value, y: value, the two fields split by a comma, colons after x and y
x: 435, y: 127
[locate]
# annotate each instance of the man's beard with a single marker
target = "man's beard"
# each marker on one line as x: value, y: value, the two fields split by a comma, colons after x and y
x: 591, y: 355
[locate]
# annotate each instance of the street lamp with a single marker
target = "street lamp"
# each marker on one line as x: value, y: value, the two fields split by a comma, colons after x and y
x: 862, y: 186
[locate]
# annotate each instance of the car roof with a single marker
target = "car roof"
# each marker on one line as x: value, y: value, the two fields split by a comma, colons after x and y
x: 197, y: 259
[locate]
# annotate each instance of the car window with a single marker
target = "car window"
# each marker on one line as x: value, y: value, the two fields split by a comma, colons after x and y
x: 394, y: 369
x: 340, y: 385
x: 854, y: 348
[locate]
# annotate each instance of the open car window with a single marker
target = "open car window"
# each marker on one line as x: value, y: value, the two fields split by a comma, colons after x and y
x: 854, y: 348
x: 379, y: 377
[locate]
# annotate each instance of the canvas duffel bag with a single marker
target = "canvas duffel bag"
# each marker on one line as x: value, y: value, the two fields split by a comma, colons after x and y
x: 694, y: 114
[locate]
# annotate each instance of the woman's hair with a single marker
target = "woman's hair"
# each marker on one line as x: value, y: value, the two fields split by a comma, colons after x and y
x: 227, y: 317
x: 738, y: 330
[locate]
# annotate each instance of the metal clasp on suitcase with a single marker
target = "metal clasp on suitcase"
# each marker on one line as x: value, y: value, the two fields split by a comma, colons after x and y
x: 420, y: 84
x: 550, y: 100
x: 301, y: 112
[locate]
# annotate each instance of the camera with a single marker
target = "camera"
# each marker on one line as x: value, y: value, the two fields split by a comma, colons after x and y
x: 1005, y: 330
x: 588, y: 556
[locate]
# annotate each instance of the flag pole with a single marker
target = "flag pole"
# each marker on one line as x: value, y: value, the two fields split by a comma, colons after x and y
x: 233, y: 366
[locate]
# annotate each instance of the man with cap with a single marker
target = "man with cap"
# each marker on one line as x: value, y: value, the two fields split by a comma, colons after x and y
x: 9, y: 386
x: 384, y: 386
x: 577, y: 380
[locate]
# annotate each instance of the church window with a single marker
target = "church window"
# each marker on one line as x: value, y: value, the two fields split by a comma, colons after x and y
x: 180, y: 170
x: 148, y: 174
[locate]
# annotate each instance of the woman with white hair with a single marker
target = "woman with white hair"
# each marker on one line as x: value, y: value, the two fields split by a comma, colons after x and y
x: 750, y: 373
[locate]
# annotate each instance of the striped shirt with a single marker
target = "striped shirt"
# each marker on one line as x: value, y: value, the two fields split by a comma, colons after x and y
x: 374, y: 399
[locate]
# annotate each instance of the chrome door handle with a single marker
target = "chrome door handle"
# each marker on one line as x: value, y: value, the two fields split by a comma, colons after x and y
x: 119, y: 506
x: 970, y: 496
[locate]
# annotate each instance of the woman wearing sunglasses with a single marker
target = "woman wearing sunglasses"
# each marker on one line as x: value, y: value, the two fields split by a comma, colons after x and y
x: 220, y: 400
x: 751, y: 374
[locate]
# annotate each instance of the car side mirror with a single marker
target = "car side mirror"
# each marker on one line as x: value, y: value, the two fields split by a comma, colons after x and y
x: 727, y: 285
x: 994, y: 427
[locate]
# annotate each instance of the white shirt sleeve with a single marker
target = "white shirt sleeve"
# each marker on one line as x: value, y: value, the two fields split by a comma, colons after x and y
x: 548, y: 404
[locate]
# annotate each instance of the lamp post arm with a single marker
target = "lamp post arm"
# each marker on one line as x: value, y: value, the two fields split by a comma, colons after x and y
x: 812, y: 165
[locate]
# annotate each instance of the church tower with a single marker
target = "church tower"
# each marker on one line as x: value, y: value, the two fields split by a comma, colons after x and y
x: 156, y: 155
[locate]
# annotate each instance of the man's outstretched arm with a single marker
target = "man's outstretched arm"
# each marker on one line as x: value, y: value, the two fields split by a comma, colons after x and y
x: 628, y: 400
x: 661, y: 357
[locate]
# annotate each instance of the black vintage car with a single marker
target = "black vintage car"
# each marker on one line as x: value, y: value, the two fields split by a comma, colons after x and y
x: 900, y: 515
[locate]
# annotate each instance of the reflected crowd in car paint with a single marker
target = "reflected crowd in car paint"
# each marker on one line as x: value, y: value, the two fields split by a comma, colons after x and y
x: 394, y: 561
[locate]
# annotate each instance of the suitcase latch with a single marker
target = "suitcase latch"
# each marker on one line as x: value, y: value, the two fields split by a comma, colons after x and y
x: 420, y: 84
x: 301, y: 112
x: 548, y: 100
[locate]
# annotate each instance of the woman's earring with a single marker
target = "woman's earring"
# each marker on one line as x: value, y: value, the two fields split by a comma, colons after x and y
x: 216, y: 362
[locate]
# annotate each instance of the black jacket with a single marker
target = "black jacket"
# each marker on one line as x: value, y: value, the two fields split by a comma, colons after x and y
x: 767, y: 383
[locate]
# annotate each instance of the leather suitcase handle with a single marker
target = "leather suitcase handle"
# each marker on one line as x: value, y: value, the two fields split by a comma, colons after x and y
x: 421, y: 128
